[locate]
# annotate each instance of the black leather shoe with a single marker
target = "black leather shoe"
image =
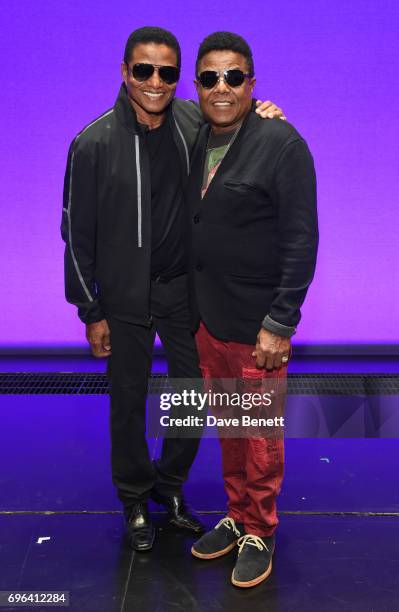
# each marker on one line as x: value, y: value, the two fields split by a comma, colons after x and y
x: 140, y: 532
x: 180, y: 515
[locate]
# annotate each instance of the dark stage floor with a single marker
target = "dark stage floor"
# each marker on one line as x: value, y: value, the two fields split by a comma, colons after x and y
x: 337, y: 542
x: 323, y: 564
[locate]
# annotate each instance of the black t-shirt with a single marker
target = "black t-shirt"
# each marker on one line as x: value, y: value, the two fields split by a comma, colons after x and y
x: 167, y: 212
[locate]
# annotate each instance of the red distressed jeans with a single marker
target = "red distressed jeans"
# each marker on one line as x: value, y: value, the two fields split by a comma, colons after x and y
x: 253, y: 468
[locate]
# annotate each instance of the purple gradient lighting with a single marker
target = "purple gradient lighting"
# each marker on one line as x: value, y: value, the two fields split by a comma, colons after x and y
x: 332, y: 67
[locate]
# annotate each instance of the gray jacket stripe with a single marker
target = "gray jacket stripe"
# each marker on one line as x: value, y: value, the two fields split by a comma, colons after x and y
x: 68, y: 211
x: 184, y: 144
x: 95, y: 121
x: 138, y: 172
x: 75, y: 262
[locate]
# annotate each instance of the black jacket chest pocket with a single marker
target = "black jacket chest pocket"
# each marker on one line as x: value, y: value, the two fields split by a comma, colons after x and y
x: 249, y: 202
x: 242, y: 187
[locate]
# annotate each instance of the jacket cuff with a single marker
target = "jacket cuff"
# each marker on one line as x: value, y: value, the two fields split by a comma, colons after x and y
x: 91, y: 313
x: 278, y: 328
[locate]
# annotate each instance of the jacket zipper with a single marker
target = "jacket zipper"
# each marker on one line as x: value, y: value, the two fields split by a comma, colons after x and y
x: 139, y: 209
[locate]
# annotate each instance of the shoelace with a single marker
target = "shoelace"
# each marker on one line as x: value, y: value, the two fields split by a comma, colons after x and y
x: 230, y: 524
x: 253, y: 540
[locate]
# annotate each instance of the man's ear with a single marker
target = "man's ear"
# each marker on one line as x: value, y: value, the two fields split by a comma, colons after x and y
x: 197, y: 85
x: 252, y: 82
x: 124, y: 72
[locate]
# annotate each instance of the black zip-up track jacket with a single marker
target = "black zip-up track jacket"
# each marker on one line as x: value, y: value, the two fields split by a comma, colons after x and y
x: 106, y: 219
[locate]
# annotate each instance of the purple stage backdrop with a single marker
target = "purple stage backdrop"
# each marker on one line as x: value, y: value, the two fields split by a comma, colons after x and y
x: 332, y: 66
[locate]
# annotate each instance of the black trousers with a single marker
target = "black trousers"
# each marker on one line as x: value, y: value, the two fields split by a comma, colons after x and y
x: 129, y: 367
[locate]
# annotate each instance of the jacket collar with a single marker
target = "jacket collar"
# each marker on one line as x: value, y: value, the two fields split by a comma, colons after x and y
x: 125, y: 113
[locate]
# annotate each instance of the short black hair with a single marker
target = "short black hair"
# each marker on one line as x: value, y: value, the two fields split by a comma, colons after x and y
x: 225, y: 41
x: 149, y: 34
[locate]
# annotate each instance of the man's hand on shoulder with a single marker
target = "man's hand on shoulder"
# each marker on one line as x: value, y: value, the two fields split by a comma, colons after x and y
x: 99, y: 338
x: 268, y: 110
x: 271, y: 351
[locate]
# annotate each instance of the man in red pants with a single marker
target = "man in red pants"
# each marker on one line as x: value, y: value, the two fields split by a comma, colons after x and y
x: 252, y: 197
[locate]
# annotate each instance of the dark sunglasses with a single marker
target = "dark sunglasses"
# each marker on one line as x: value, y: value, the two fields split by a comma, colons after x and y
x: 233, y: 78
x: 143, y: 72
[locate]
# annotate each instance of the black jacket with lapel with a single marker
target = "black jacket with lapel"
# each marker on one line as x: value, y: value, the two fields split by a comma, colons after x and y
x: 254, y: 234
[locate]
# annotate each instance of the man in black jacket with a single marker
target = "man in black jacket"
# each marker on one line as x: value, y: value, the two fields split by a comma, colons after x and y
x: 252, y: 195
x: 125, y: 263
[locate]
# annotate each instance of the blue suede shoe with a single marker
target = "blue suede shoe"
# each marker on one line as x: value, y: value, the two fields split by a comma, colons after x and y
x: 254, y: 561
x: 220, y: 541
